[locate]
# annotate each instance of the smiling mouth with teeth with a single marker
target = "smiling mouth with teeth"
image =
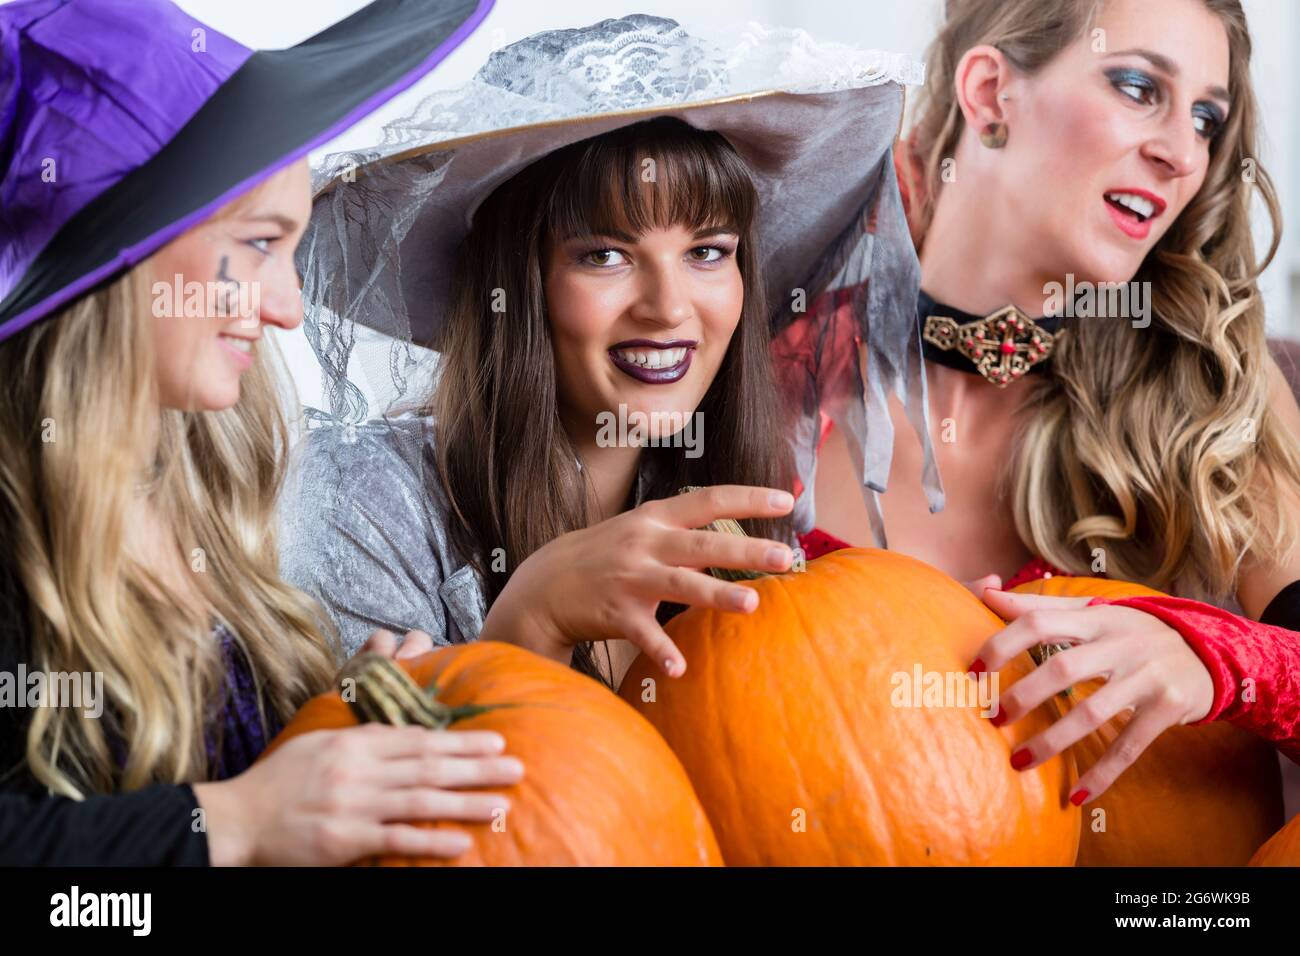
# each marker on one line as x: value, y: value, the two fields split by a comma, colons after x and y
x: 651, y: 362
x: 652, y: 358
x: 244, y: 345
x: 1138, y: 206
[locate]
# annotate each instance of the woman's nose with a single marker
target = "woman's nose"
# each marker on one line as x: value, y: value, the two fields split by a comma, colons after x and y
x: 1176, y: 149
x: 665, y: 297
x: 281, y: 303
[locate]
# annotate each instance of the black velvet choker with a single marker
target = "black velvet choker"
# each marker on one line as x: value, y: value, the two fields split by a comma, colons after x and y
x: 1003, y: 346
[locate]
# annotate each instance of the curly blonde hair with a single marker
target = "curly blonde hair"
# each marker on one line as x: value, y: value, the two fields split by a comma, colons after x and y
x: 1176, y: 494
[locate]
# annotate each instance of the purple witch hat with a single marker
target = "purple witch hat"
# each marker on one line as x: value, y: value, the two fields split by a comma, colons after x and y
x: 124, y: 124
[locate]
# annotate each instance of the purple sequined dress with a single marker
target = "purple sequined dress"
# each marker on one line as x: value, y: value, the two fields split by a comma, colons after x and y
x: 237, y: 735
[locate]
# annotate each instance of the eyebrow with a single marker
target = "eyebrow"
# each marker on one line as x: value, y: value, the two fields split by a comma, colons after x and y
x: 1166, y: 65
x: 284, y: 222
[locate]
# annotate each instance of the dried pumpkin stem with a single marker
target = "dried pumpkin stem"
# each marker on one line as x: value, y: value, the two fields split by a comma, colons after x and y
x: 1041, y: 652
x: 729, y: 526
x: 384, y: 693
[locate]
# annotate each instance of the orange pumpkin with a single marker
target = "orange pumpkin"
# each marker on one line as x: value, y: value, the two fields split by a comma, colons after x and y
x: 793, y: 725
x: 600, y: 787
x: 1205, y: 795
x: 1282, y: 849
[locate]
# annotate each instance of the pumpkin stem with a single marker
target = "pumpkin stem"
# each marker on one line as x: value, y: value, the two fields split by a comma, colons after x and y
x: 386, y: 694
x: 728, y: 526
x: 1041, y: 652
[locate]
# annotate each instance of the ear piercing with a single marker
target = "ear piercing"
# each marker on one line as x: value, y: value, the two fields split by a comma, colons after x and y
x: 994, y: 135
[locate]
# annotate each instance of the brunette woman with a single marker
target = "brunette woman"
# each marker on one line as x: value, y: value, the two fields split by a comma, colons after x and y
x: 607, y: 262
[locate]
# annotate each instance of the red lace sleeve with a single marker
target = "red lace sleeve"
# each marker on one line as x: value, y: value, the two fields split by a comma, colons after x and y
x: 1255, y: 667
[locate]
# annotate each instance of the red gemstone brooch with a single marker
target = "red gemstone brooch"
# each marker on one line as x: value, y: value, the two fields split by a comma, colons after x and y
x: 1002, y: 346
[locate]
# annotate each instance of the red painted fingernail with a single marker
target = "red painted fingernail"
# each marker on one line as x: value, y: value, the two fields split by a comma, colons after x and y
x: 1078, y: 797
x: 1021, y: 757
x: 976, y: 667
x: 998, y: 719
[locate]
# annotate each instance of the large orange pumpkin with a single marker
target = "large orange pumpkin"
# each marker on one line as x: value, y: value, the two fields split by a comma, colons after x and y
x: 787, y: 722
x: 600, y: 787
x: 1206, y: 795
x: 1282, y: 849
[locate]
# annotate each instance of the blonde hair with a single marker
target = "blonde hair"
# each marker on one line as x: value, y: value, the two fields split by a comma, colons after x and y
x: 79, y: 427
x: 1176, y: 492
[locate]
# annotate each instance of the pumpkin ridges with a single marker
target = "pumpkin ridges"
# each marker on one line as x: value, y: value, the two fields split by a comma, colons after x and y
x: 1214, y: 779
x: 732, y: 656
x: 551, y: 821
x: 862, y: 777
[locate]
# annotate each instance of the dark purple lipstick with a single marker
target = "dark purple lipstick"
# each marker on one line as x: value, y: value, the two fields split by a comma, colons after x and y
x: 662, y: 352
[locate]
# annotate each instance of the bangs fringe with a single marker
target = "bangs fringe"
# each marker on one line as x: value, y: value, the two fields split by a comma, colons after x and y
x: 652, y: 175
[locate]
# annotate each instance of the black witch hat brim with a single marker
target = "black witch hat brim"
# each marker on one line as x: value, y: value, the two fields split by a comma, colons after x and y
x: 277, y: 107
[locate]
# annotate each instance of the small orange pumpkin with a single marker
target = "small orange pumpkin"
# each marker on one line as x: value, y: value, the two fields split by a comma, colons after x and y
x: 600, y: 787
x: 1204, y: 795
x: 789, y: 722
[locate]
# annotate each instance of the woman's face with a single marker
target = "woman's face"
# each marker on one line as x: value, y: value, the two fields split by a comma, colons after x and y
x: 641, y: 321
x: 214, y: 290
x: 1107, y: 146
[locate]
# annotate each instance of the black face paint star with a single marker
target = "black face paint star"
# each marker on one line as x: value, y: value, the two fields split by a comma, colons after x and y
x: 233, y: 285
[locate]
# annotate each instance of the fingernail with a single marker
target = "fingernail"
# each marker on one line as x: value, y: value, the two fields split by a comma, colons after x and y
x: 778, y: 558
x: 1021, y: 758
x: 670, y: 666
x: 781, y: 500
x: 743, y: 599
x: 1078, y: 797
x: 998, y: 719
x: 976, y: 667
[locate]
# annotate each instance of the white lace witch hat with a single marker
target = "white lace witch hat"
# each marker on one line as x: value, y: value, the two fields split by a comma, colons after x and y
x: 815, y: 123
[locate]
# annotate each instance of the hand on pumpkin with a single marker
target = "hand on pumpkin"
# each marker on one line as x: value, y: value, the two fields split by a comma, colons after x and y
x: 977, y: 586
x: 332, y: 797
x: 1148, y: 668
x: 605, y: 582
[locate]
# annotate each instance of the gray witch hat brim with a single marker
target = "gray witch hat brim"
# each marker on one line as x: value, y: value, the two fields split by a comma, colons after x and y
x: 838, y: 264
x: 268, y: 109
x: 814, y: 157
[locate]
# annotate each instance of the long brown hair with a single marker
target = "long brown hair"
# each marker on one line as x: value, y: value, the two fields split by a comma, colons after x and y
x: 506, y: 463
x: 1157, y: 445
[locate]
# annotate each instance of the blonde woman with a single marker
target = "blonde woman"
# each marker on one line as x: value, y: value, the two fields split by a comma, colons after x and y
x: 140, y: 456
x: 1063, y: 143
